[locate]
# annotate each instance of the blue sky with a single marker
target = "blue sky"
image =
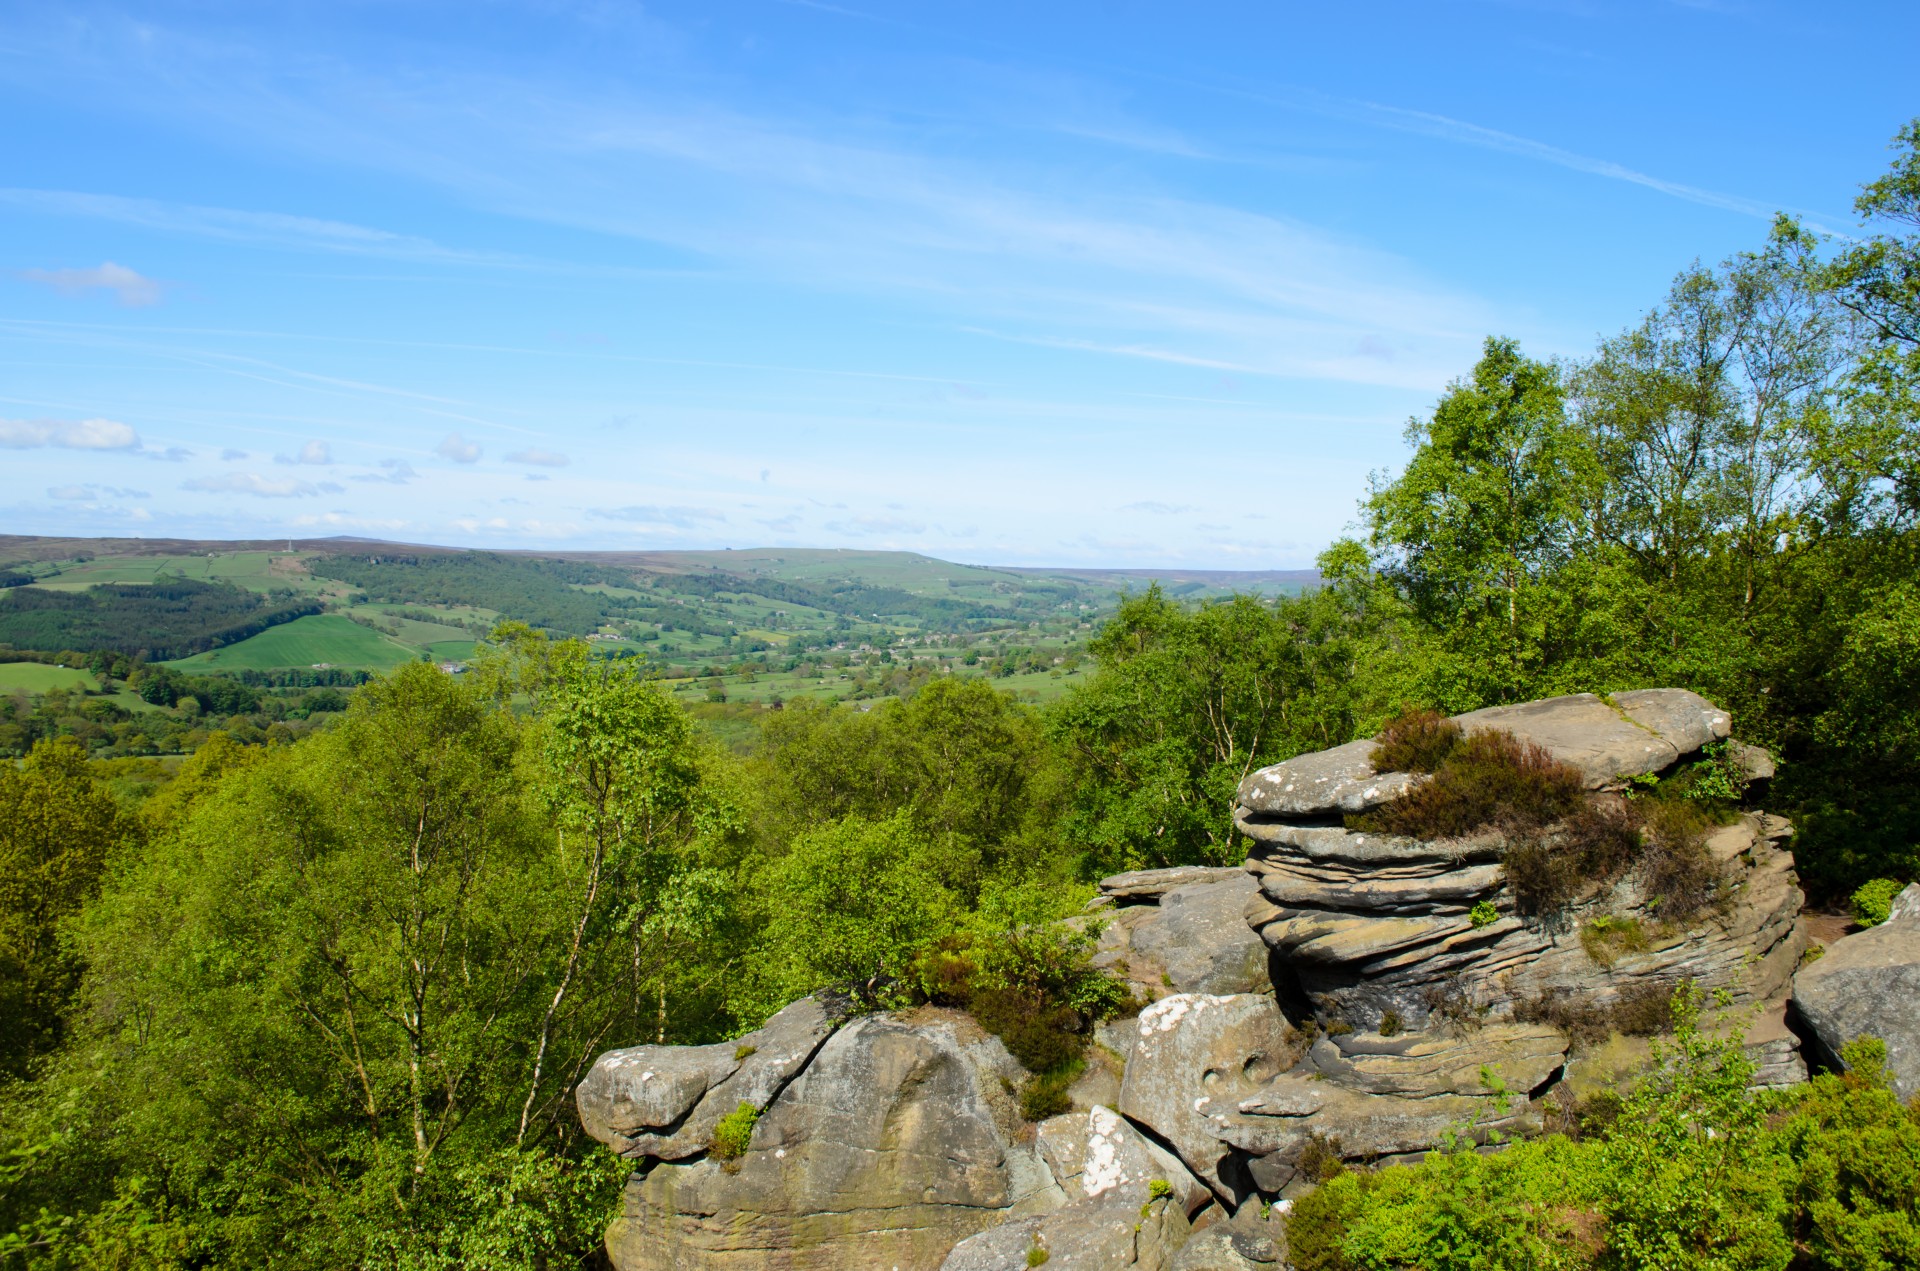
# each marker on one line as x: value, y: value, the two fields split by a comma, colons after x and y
x: 1103, y: 283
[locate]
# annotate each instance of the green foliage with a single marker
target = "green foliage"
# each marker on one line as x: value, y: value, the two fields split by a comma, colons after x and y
x: 1693, y: 1171
x: 857, y: 901
x: 1187, y: 702
x: 1873, y: 902
x: 58, y: 831
x: 734, y: 1131
x: 1484, y: 914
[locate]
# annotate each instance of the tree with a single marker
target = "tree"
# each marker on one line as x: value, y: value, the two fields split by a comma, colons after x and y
x: 58, y: 830
x: 1484, y: 512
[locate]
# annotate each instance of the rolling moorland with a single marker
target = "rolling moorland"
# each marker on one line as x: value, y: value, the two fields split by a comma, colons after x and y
x: 732, y: 633
x: 322, y: 993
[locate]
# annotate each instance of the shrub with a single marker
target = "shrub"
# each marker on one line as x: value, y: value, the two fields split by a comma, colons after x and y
x: 1415, y: 741
x: 1607, y: 937
x: 1543, y: 878
x: 1490, y: 778
x: 1484, y: 914
x: 1873, y: 902
x: 734, y: 1132
x: 1320, y: 1159
x: 1045, y: 1094
x: 1677, y: 872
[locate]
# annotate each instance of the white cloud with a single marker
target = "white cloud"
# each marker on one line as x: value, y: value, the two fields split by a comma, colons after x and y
x: 317, y: 453
x: 67, y: 434
x: 539, y: 458
x: 398, y: 472
x: 685, y: 517
x: 133, y: 290
x: 458, y: 449
x: 231, y: 454
x: 94, y: 492
x: 252, y: 483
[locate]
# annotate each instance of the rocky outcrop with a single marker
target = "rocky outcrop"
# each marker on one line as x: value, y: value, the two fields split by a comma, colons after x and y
x: 1344, y: 995
x: 897, y: 1139
x: 1868, y: 985
x: 1380, y: 926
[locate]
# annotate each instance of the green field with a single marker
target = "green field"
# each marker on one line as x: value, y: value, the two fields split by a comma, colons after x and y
x: 256, y: 571
x: 328, y: 638
x: 36, y: 677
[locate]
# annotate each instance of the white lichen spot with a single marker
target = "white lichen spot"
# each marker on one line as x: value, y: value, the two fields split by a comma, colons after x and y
x: 1165, y: 1015
x: 1102, y: 1171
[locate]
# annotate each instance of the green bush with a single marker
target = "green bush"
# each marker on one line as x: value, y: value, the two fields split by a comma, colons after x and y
x: 1873, y: 901
x: 734, y: 1132
x: 1484, y: 914
x: 1691, y: 1172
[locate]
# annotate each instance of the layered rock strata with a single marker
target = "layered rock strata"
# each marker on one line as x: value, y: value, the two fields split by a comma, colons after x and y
x: 1381, y: 927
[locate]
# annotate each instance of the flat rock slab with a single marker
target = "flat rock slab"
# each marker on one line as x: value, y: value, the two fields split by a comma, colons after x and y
x: 1868, y: 985
x: 1421, y: 1065
x: 1201, y: 939
x: 1325, y: 782
x: 1643, y: 731
x: 1152, y: 884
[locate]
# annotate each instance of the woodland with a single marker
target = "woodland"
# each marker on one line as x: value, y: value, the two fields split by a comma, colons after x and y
x: 321, y: 1000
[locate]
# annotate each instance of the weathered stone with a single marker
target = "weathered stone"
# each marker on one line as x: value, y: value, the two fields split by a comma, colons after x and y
x: 1456, y: 889
x: 1906, y: 905
x: 1194, y: 1054
x: 665, y: 1100
x: 1603, y: 743
x: 1107, y: 1169
x: 1327, y: 781
x: 1754, y: 762
x: 898, y: 1139
x: 1228, y: 1247
x: 1099, y: 1152
x: 1419, y: 1065
x: 1085, y: 1237
x: 1354, y: 1124
x: 1152, y: 884
x: 1333, y: 845
x: 1868, y: 985
x: 1201, y: 938
x: 1686, y: 721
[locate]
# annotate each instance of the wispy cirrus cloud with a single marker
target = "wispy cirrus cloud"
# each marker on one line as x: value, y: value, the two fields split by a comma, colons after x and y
x: 89, y: 492
x: 132, y: 289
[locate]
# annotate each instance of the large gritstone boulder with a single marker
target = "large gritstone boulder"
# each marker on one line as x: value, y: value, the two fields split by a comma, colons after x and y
x: 1382, y: 927
x: 1868, y: 985
x: 1189, y: 936
x: 896, y: 1140
x: 1194, y: 1057
x: 664, y: 1101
